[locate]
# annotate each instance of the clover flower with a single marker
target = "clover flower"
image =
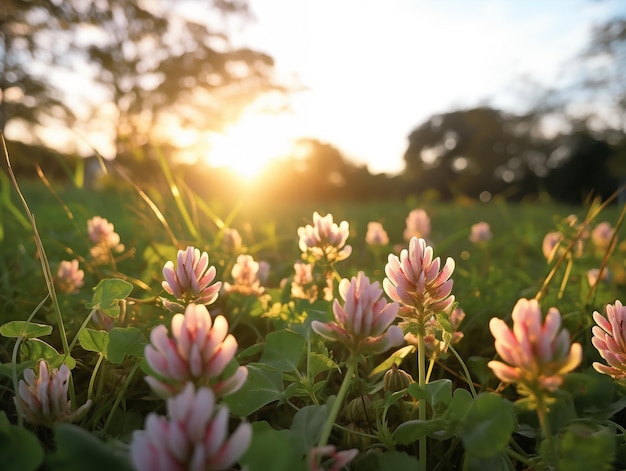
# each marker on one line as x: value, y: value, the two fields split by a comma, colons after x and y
x: 190, y: 281
x: 481, y: 232
x: 362, y: 324
x: 376, y: 234
x: 102, y: 234
x: 550, y: 244
x: 602, y: 234
x: 231, y: 241
x: 325, y: 240
x: 43, y: 397
x: 535, y: 355
x: 417, y: 225
x: 303, y: 285
x: 245, y: 275
x: 415, y: 280
x: 193, y: 436
x: 197, y: 351
x: 609, y: 338
x: 593, y: 275
x: 69, y: 277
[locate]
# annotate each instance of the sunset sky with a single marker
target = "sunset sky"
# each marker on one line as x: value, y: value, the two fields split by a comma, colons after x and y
x: 374, y: 70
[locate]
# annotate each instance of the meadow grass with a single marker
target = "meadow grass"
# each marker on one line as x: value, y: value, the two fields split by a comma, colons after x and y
x: 488, y: 280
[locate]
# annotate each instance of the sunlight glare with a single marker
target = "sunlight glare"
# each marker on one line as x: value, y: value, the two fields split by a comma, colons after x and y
x: 248, y: 146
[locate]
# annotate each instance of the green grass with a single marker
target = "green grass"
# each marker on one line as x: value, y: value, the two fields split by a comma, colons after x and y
x: 488, y: 279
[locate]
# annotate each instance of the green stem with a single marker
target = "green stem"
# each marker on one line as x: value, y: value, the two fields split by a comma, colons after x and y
x: 542, y: 414
x: 468, y: 378
x: 93, y: 376
x: 421, y: 373
x: 334, y: 411
x: 83, y: 325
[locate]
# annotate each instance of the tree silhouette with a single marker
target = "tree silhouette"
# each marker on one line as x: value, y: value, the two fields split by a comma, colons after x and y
x: 144, y: 69
x: 470, y: 151
x: 26, y: 94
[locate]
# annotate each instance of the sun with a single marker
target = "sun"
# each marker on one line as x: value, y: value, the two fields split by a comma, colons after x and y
x: 248, y: 146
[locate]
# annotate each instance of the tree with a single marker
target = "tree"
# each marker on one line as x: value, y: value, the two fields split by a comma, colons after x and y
x: 603, y: 74
x: 137, y: 71
x: 26, y: 94
x: 470, y: 151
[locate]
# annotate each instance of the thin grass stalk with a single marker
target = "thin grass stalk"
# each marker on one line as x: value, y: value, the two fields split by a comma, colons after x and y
x: 5, y: 185
x: 44, y: 265
x: 583, y: 227
x: 180, y: 204
x: 157, y: 212
x: 56, y: 196
x: 607, y: 254
x: 337, y: 403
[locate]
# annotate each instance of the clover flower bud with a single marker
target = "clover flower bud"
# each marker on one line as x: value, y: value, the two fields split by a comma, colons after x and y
x: 198, y: 351
x: 69, y: 278
x: 396, y: 379
x: 43, y: 397
x: 190, y: 281
x: 325, y: 240
x: 193, y: 436
x: 376, y: 234
x: 415, y: 280
x: 480, y: 233
x: 609, y: 338
x: 417, y: 225
x: 363, y: 323
x: 536, y: 355
x: 245, y: 274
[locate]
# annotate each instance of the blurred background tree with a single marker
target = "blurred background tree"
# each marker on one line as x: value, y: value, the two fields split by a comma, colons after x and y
x: 26, y: 93
x: 154, y: 69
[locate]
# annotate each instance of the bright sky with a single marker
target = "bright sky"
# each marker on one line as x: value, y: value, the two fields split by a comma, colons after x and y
x: 376, y: 70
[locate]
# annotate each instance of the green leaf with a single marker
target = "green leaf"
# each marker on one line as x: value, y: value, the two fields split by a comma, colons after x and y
x: 307, y: 425
x: 6, y: 369
x: 435, y: 393
x: 396, y: 357
x: 460, y: 403
x: 123, y: 342
x: 94, y: 340
x: 583, y: 448
x: 488, y: 425
x: 107, y: 295
x: 19, y: 448
x: 77, y: 450
x: 274, y: 450
x: 25, y: 329
x: 319, y: 363
x: 37, y: 349
x: 409, y: 431
x: 283, y: 350
x: 264, y: 385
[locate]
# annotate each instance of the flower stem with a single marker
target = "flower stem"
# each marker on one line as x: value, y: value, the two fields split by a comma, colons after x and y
x: 334, y: 411
x: 421, y: 373
x: 542, y: 414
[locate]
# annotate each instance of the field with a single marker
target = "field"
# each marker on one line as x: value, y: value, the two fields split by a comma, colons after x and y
x: 289, y: 396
